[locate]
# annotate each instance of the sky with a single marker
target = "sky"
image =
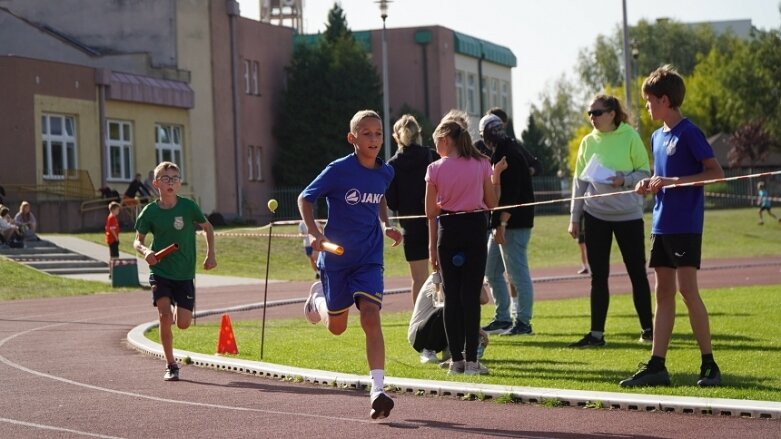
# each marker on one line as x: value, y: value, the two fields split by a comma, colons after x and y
x: 544, y: 35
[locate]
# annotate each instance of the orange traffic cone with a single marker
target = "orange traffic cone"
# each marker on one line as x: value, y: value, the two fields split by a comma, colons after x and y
x: 226, y: 344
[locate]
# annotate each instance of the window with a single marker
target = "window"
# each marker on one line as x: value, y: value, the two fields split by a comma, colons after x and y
x: 254, y: 163
x: 494, y: 92
x: 471, y: 102
x: 505, y: 97
x: 259, y: 163
x: 484, y: 93
x: 460, y: 97
x: 255, y: 82
x: 250, y: 162
x: 58, y: 138
x: 246, y: 76
x: 168, y: 145
x: 120, y: 150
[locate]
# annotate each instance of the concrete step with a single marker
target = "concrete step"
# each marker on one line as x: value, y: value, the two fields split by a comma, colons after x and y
x: 31, y: 250
x: 24, y: 258
x: 76, y: 270
x: 47, y: 265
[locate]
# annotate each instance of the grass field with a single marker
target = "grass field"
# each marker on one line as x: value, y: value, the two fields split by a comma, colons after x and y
x: 728, y: 233
x: 744, y: 322
x: 22, y: 282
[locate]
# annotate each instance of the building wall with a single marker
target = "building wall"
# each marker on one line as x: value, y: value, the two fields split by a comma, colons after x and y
x: 42, y: 86
x: 124, y: 26
x: 194, y: 50
x: 224, y: 161
x: 271, y: 47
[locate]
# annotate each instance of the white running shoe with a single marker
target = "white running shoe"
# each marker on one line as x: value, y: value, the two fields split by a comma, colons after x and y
x: 381, y: 405
x: 428, y: 356
x: 475, y: 368
x: 310, y: 310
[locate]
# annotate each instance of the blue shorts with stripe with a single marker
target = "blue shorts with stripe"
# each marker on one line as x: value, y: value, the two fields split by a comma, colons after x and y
x: 342, y: 288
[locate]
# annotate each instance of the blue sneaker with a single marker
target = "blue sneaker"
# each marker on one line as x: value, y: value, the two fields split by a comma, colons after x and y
x: 496, y: 327
x: 519, y: 328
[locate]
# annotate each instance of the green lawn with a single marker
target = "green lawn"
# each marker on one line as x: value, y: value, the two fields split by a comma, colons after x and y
x: 22, y: 282
x: 744, y: 321
x: 728, y: 233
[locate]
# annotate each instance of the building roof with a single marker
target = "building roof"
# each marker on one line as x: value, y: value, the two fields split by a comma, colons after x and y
x: 149, y: 90
x: 721, y: 147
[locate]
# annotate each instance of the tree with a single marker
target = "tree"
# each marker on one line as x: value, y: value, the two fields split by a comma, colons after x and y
x: 751, y: 142
x: 533, y: 139
x: 558, y: 115
x: 326, y: 84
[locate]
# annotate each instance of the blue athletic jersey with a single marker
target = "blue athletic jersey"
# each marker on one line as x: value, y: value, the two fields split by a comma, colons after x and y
x: 678, y: 153
x: 353, y: 194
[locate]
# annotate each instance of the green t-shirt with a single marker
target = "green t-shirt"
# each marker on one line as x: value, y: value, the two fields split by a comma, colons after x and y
x: 174, y: 225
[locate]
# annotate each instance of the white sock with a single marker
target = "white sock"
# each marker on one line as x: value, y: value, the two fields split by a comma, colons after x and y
x: 321, y: 308
x: 378, y: 380
x: 597, y: 334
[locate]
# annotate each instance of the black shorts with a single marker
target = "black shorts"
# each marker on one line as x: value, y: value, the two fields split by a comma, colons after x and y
x: 415, y: 239
x: 676, y: 250
x: 181, y: 292
x: 113, y: 249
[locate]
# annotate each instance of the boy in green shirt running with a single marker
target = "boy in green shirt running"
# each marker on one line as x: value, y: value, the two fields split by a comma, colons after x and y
x: 171, y: 219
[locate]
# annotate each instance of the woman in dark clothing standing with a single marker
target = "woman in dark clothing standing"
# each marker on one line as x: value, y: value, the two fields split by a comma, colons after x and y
x: 407, y: 193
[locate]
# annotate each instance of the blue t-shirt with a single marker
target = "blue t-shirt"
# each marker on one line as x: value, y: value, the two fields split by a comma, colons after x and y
x: 353, y: 194
x: 678, y: 153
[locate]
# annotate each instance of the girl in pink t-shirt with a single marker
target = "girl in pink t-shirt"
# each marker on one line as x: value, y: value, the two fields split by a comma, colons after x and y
x: 459, y: 186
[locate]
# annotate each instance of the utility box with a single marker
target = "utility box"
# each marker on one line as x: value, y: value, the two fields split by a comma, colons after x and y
x: 124, y: 272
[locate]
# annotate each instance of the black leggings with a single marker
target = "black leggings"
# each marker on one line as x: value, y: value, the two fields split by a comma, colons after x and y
x: 462, y: 237
x: 630, y: 236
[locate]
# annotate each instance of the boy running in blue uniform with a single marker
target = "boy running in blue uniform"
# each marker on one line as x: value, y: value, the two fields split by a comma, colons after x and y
x: 681, y: 155
x: 354, y: 188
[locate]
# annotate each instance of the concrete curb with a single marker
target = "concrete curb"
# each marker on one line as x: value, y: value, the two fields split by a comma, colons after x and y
x: 575, y: 398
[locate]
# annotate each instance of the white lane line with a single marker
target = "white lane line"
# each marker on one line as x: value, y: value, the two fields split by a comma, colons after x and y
x: 10, y: 363
x: 53, y: 428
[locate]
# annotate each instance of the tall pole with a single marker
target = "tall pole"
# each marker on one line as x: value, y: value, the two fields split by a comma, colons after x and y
x: 627, y: 62
x: 385, y: 94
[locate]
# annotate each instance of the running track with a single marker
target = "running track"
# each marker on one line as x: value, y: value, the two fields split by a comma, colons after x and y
x: 66, y: 372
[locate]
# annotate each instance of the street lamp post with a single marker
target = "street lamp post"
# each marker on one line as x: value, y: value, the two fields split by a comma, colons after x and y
x: 635, y: 56
x: 627, y: 62
x: 385, y: 95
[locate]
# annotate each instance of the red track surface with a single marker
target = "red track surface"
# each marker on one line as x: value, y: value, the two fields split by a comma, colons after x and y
x: 65, y: 371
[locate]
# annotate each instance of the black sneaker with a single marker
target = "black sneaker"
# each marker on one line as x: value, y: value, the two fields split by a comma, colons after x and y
x: 381, y: 405
x: 647, y: 336
x: 496, y: 327
x: 710, y: 375
x: 171, y: 373
x: 647, y: 377
x: 588, y: 341
x: 519, y: 328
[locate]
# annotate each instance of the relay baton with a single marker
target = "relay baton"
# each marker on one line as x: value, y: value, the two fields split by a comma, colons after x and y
x: 330, y: 247
x: 161, y: 254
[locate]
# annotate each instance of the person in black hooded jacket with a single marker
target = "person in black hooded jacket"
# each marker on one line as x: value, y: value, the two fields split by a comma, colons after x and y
x: 406, y: 195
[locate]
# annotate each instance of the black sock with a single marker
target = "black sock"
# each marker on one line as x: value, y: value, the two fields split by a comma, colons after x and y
x: 708, y: 359
x: 656, y: 364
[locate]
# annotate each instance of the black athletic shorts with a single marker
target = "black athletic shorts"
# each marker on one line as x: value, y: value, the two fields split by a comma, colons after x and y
x: 181, y: 292
x: 415, y: 239
x: 676, y: 250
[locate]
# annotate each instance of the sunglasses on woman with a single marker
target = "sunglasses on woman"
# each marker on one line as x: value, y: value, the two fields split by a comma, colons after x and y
x: 597, y: 113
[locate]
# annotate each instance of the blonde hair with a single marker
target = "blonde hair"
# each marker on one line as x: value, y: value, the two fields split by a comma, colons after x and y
x: 406, y: 131
x: 22, y: 206
x: 361, y: 115
x: 164, y: 166
x: 455, y: 126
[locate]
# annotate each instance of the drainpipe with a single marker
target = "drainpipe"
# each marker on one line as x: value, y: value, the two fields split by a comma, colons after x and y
x: 232, y: 8
x: 480, y: 81
x: 103, y: 81
x: 423, y: 37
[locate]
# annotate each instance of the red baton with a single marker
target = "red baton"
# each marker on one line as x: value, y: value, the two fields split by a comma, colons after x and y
x: 161, y: 254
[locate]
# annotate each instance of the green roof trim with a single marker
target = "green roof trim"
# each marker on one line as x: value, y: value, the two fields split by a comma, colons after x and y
x: 364, y: 38
x: 477, y: 48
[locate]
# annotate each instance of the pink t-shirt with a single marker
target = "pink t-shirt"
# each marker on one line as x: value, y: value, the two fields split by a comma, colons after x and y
x: 459, y: 182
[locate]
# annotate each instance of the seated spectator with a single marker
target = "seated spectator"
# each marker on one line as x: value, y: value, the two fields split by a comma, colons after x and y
x: 26, y: 222
x: 9, y: 232
x: 136, y: 187
x: 426, y: 332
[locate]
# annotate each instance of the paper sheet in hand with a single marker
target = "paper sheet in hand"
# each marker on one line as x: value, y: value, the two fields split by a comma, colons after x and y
x: 596, y: 173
